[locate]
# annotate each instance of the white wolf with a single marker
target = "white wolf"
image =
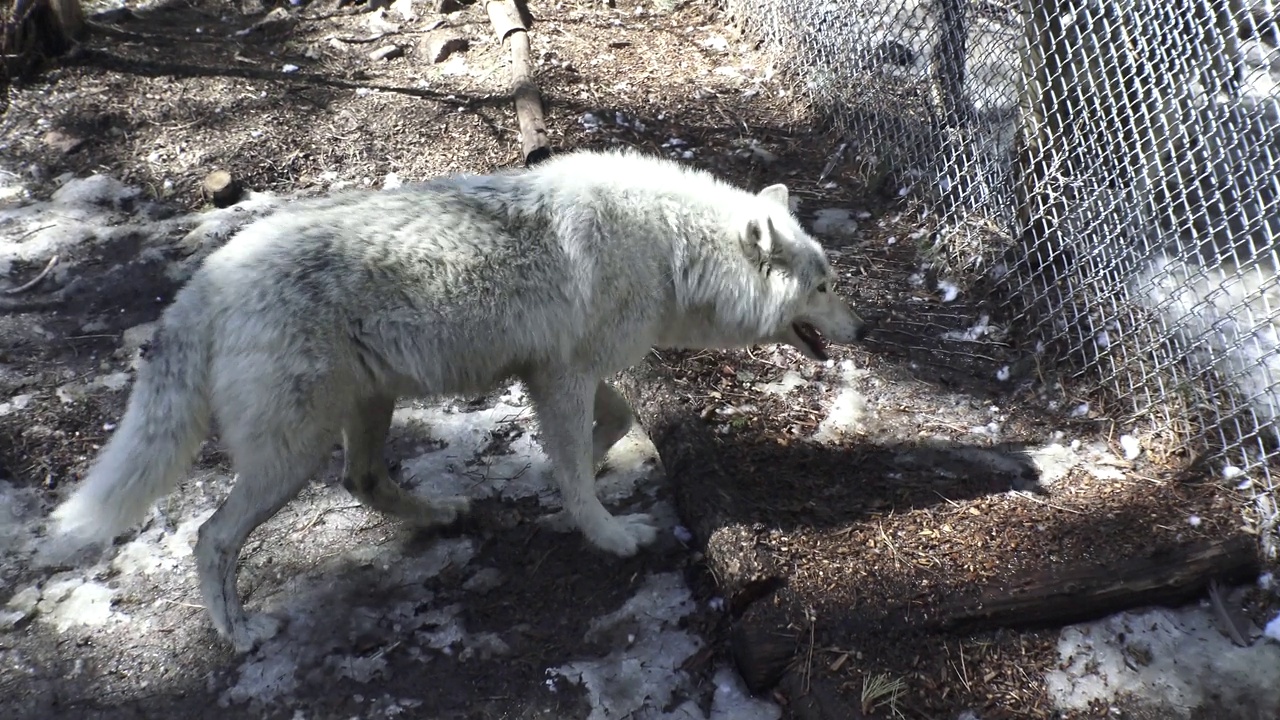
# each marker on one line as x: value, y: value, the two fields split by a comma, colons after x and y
x: 313, y: 321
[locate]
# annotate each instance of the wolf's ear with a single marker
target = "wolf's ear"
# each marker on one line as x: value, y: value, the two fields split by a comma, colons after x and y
x: 777, y: 193
x: 759, y: 243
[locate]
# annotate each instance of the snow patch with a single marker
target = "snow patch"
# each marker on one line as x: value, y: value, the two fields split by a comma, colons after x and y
x: 310, y: 635
x: 732, y: 701
x: 1131, y: 447
x: 492, y: 452
x: 156, y: 551
x: 979, y: 330
x: 1272, y: 630
x: 16, y: 403
x: 835, y: 222
x: 847, y: 411
x: 68, y: 600
x: 649, y: 648
x: 1175, y: 658
x: 789, y: 381
x: 19, y: 607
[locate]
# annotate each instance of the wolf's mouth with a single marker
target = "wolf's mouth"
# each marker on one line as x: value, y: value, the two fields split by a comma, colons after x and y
x: 811, y: 337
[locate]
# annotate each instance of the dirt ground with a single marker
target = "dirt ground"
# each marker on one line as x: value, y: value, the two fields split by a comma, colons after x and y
x: 870, y: 477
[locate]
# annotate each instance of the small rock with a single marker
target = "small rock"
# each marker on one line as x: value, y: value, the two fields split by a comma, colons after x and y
x: 9, y: 620
x: 95, y: 326
x: 24, y: 601
x: 276, y: 23
x: 221, y: 189
x: 69, y: 393
x: 403, y: 8
x: 445, y: 6
x: 386, y: 52
x: 63, y: 142
x: 442, y: 43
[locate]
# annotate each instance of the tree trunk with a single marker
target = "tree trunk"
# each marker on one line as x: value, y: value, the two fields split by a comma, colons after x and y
x: 36, y: 30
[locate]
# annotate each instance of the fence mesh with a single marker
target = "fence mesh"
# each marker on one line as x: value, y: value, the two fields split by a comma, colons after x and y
x: 1113, y: 167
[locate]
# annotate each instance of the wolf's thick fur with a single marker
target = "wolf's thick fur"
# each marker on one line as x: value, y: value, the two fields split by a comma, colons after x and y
x: 311, y: 322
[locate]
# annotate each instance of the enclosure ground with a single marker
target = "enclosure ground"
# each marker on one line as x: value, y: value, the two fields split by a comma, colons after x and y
x: 901, y: 478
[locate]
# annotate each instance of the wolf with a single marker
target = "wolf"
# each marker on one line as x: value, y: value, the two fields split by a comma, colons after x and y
x: 310, y: 323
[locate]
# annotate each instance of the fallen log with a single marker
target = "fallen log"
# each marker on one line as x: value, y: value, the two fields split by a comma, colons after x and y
x: 762, y: 644
x: 509, y: 25
x: 690, y: 455
x: 1169, y: 577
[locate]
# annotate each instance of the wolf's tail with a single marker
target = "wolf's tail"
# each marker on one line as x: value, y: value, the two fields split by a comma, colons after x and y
x: 166, y: 420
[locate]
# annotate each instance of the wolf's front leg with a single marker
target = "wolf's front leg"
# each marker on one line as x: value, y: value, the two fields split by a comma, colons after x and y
x: 613, y: 420
x: 564, y: 404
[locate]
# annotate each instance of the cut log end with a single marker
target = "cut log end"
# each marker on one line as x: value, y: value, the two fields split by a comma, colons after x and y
x: 761, y: 652
x: 221, y: 189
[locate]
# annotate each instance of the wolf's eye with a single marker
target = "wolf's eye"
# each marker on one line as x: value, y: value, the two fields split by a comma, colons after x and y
x: 822, y: 287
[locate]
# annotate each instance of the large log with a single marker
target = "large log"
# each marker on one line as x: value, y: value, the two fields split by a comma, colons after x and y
x: 1170, y: 577
x: 509, y: 25
x: 762, y: 644
x: 690, y: 455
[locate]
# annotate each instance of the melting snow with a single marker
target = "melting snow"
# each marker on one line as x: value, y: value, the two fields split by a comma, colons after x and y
x: 634, y: 680
x: 848, y: 409
x: 1173, y: 657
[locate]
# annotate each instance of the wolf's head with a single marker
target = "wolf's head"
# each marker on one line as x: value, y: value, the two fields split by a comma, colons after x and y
x: 798, y: 277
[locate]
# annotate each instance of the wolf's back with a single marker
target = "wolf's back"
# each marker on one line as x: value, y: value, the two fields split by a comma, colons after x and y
x: 166, y: 419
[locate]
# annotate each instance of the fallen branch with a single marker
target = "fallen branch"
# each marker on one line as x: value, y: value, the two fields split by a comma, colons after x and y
x: 35, y: 280
x: 509, y: 26
x: 1171, y: 577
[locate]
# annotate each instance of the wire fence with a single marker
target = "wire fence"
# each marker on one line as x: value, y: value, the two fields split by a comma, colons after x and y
x: 1111, y: 168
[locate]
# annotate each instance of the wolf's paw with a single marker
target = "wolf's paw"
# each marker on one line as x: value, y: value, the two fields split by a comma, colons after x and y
x: 451, y: 509
x: 625, y: 534
x: 255, y: 630
x: 434, y: 513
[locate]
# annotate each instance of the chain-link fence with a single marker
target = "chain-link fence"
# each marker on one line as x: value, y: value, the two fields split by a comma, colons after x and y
x: 1114, y: 166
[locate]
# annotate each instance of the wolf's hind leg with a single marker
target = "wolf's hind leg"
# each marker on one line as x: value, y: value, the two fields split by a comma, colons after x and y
x: 270, y: 471
x: 564, y: 405
x: 365, y: 474
x: 613, y: 417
